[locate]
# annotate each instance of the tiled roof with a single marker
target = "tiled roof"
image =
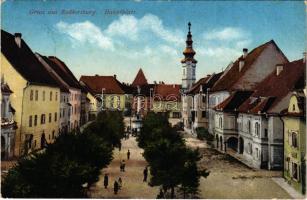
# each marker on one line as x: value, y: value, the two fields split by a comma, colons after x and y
x: 5, y: 88
x: 139, y: 79
x: 62, y: 86
x: 206, y: 82
x: 24, y: 61
x: 232, y: 73
x: 274, y: 88
x: 167, y: 92
x: 233, y: 102
x: 97, y: 83
x: 62, y: 70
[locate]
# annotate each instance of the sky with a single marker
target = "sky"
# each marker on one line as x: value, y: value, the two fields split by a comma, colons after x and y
x: 119, y: 37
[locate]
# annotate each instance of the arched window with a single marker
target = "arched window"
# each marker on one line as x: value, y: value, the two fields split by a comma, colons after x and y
x: 257, y: 129
x: 249, y: 126
x: 220, y: 122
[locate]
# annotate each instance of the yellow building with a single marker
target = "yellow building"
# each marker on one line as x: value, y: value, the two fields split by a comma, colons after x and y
x: 106, y: 92
x: 36, y: 96
x: 295, y: 142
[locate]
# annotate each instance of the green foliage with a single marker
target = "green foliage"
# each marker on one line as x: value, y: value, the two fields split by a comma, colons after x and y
x: 203, y: 133
x: 60, y: 170
x: 109, y: 126
x: 171, y: 163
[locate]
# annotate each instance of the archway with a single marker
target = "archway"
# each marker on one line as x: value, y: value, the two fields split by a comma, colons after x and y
x: 232, y: 143
x: 217, y: 141
x: 241, y: 145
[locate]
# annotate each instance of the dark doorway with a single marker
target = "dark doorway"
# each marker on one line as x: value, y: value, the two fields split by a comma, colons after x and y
x: 221, y: 143
x: 232, y: 143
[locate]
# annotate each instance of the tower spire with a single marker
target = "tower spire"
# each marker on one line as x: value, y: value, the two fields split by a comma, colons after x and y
x: 189, y: 51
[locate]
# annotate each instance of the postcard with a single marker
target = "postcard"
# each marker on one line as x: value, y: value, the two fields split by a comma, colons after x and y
x: 153, y: 99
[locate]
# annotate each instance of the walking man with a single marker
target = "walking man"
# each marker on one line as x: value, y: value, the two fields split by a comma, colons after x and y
x: 120, y: 183
x: 128, y: 154
x: 124, y: 165
x: 145, y: 173
x: 115, y: 187
x: 106, y: 181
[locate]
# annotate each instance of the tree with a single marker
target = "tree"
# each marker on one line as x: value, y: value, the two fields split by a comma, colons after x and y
x: 109, y: 126
x: 172, y: 163
x: 59, y: 171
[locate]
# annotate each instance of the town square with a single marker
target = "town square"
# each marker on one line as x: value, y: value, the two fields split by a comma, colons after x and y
x: 153, y: 99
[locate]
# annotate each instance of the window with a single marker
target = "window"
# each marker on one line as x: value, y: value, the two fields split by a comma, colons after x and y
x: 30, y: 121
x: 220, y: 122
x: 43, y: 119
x: 257, y: 153
x: 56, y: 96
x: 36, y: 95
x: 55, y: 117
x: 50, y: 117
x: 31, y: 95
x: 249, y: 126
x: 250, y: 148
x: 203, y: 114
x: 35, y: 120
x: 295, y: 171
x: 53, y: 134
x: 293, y: 107
x: 294, y: 139
x: 49, y: 136
x: 257, y: 128
x: 50, y: 98
x: 266, y: 133
x: 44, y: 95
x: 204, y: 98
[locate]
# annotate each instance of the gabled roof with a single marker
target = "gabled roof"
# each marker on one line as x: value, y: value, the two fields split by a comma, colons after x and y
x: 62, y: 70
x: 62, y: 86
x: 167, y: 92
x: 275, y: 87
x: 24, y: 61
x: 97, y: 83
x: 206, y: 82
x: 232, y: 74
x: 233, y: 102
x: 139, y: 79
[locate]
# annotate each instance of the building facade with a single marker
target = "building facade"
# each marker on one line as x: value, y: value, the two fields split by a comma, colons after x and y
x: 295, y: 142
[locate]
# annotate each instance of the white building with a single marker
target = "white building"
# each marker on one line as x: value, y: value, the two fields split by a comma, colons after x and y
x: 260, y: 123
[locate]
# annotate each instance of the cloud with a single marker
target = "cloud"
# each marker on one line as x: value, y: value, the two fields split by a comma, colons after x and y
x: 130, y: 27
x: 85, y: 32
x: 227, y: 33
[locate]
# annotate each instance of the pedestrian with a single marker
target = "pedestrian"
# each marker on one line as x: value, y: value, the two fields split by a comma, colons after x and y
x: 121, y: 166
x: 115, y: 187
x: 145, y: 173
x: 124, y: 165
x: 120, y: 183
x: 128, y: 154
x: 106, y: 181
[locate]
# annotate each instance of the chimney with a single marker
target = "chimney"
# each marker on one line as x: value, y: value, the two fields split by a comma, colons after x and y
x: 245, y: 51
x: 155, y: 82
x: 114, y: 76
x: 18, y: 39
x: 279, y: 68
x: 241, y: 64
x: 304, y: 57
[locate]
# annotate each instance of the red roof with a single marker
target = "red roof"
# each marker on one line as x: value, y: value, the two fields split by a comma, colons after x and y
x: 140, y: 79
x: 274, y: 88
x: 233, y: 75
x: 233, y: 102
x: 62, y: 70
x: 167, y: 92
x: 206, y: 82
x: 97, y: 83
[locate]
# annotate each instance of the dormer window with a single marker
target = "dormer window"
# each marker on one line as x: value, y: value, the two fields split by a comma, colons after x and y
x: 293, y: 107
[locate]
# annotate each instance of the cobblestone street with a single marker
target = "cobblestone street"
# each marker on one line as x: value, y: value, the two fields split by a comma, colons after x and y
x: 228, y: 178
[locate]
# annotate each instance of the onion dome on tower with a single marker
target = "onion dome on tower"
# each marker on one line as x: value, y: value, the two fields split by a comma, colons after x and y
x: 189, y: 51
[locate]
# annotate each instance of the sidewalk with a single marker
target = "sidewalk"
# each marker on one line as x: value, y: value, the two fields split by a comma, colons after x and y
x: 291, y: 191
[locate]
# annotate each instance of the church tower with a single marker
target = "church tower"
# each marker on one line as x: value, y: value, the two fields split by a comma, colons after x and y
x: 188, y: 63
